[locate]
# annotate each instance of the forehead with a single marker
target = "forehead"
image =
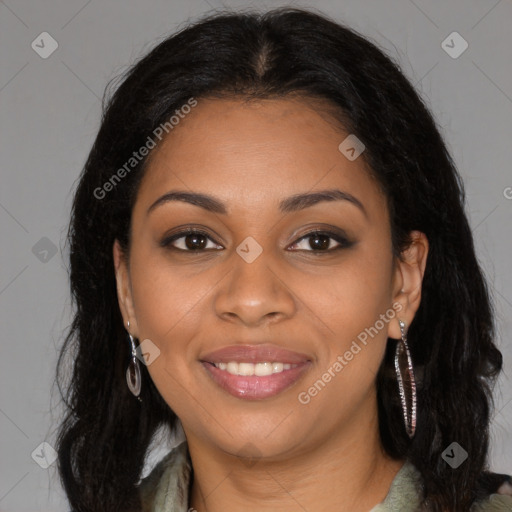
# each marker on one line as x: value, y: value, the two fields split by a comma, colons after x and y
x: 253, y: 153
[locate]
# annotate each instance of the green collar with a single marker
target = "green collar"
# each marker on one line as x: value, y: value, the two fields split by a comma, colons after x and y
x: 166, y: 488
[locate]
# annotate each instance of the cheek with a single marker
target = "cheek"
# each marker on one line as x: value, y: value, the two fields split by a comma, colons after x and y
x: 168, y: 305
x: 355, y: 293
x: 344, y: 376
x: 165, y: 296
x: 355, y: 304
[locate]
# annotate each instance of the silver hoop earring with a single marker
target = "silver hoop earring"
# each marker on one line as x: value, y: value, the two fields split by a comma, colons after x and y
x: 133, y: 376
x: 406, y: 382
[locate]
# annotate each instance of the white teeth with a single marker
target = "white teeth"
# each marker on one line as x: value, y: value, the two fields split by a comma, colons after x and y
x: 262, y: 369
x: 277, y: 367
x: 232, y: 367
x: 258, y: 369
x: 245, y: 369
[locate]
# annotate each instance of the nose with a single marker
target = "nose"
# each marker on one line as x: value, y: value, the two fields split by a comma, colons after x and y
x: 256, y: 293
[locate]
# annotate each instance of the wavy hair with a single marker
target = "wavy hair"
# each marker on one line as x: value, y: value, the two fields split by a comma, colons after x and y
x: 104, y: 438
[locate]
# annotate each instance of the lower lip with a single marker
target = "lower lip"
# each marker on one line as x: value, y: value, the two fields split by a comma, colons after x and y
x: 253, y: 387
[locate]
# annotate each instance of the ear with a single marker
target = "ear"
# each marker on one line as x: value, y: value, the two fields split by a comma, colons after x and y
x: 124, y: 290
x: 407, y: 281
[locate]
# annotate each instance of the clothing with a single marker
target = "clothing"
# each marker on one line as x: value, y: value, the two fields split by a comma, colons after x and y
x: 166, y: 488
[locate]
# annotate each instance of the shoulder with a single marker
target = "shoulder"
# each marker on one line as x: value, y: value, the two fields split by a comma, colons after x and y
x: 498, y: 501
x: 149, y: 485
x: 405, y: 493
x: 494, y: 503
x: 170, y: 474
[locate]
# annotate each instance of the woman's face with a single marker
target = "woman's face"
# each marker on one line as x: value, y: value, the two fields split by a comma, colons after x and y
x: 255, y: 285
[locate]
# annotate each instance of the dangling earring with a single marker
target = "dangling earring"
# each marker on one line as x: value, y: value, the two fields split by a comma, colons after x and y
x: 406, y: 382
x: 133, y: 377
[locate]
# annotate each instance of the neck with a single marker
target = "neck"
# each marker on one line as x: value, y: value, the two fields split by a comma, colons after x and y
x: 347, y: 471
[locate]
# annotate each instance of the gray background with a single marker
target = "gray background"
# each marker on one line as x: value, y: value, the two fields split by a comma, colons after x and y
x: 50, y: 111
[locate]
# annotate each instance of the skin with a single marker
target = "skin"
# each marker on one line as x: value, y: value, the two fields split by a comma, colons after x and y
x: 325, y: 455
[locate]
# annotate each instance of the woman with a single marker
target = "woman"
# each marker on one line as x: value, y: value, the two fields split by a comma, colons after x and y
x: 352, y: 374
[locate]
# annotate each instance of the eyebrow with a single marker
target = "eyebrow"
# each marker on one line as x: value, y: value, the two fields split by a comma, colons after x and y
x: 291, y: 204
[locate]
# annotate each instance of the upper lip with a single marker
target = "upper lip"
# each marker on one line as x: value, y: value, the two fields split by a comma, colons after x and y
x: 254, y: 354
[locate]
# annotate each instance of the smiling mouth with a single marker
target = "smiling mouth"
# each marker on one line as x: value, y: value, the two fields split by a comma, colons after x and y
x: 255, y: 372
x: 251, y: 386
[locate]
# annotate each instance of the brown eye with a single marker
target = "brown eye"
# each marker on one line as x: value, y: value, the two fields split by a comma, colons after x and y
x: 320, y: 241
x: 193, y: 241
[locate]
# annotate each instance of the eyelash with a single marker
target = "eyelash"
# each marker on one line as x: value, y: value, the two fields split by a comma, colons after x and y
x: 344, y: 242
